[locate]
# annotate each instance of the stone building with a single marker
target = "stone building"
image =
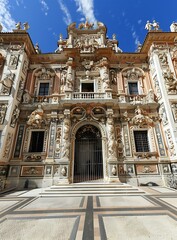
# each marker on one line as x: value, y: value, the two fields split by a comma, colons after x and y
x: 88, y: 111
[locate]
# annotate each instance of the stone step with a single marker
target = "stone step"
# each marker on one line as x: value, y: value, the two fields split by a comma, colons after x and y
x: 91, y: 190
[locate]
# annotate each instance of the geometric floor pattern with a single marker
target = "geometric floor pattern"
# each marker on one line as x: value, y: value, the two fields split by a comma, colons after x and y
x: 25, y: 215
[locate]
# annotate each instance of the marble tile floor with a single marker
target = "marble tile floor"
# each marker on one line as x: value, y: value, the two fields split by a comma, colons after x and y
x: 25, y: 215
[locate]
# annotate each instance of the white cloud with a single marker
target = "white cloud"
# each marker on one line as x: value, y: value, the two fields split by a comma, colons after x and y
x: 45, y: 7
x: 139, y: 21
x: 67, y: 16
x: 6, y: 19
x: 135, y: 36
x: 86, y: 8
x: 18, y: 2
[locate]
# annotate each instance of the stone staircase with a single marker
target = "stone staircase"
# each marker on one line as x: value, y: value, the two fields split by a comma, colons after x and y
x: 87, y: 189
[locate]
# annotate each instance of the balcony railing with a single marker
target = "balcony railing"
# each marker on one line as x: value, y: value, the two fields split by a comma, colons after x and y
x: 88, y: 95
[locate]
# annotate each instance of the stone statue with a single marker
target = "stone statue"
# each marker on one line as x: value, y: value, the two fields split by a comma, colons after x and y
x: 173, y: 27
x: 18, y: 26
x: 36, y: 117
x: 105, y: 78
x: 154, y: 25
x: 26, y: 26
x: 37, y: 49
x: 148, y: 26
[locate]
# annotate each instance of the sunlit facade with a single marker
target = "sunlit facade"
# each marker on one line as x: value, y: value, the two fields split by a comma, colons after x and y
x: 88, y: 112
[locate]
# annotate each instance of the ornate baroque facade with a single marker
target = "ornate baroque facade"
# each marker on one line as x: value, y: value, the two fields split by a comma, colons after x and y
x: 88, y: 111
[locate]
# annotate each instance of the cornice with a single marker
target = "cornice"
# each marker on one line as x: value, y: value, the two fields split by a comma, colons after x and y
x: 157, y: 37
x: 18, y: 37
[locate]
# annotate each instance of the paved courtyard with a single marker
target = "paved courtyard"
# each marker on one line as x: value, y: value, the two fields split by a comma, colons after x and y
x: 150, y: 213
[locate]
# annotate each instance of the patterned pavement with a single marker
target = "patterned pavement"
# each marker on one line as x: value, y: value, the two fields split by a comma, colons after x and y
x: 26, y: 215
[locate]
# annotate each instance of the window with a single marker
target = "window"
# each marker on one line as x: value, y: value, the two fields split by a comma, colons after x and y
x: 87, y: 87
x: 43, y: 89
x: 133, y: 88
x: 37, y: 141
x: 141, y: 141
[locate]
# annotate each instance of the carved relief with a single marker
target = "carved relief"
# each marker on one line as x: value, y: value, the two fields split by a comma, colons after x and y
x: 120, y: 146
x: 13, y: 62
x: 20, y: 89
x: 112, y: 145
x: 58, y: 142
x: 64, y: 171
x: 158, y: 91
x: 160, y: 141
x: 66, y: 142
x: 15, y: 116
x: 147, y: 169
x: 25, y: 67
x: 87, y: 42
x: 170, y: 82
x: 163, y: 115
x: 174, y: 110
x: 170, y: 142
x: 3, y: 108
x: 32, y: 171
x: 105, y: 78
x: 163, y: 58
x: 126, y: 141
x: 52, y: 139
x: 7, y: 83
x: 8, y: 145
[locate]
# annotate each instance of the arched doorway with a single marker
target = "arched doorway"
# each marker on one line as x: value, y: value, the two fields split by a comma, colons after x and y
x: 88, y: 163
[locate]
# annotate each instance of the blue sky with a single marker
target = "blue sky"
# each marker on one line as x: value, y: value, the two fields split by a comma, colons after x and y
x: 125, y: 18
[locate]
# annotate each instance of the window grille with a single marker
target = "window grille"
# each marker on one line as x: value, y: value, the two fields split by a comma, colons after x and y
x: 43, y: 89
x: 141, y: 141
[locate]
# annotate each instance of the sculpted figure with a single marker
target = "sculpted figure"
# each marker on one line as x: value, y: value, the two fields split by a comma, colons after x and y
x: 15, y: 116
x: 148, y: 26
x: 155, y: 25
x: 3, y: 108
x: 69, y: 79
x: 170, y: 81
x: 18, y: 25
x: 36, y: 117
x: 105, y: 78
x: 173, y: 27
x: 111, y: 139
x: 66, y: 143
